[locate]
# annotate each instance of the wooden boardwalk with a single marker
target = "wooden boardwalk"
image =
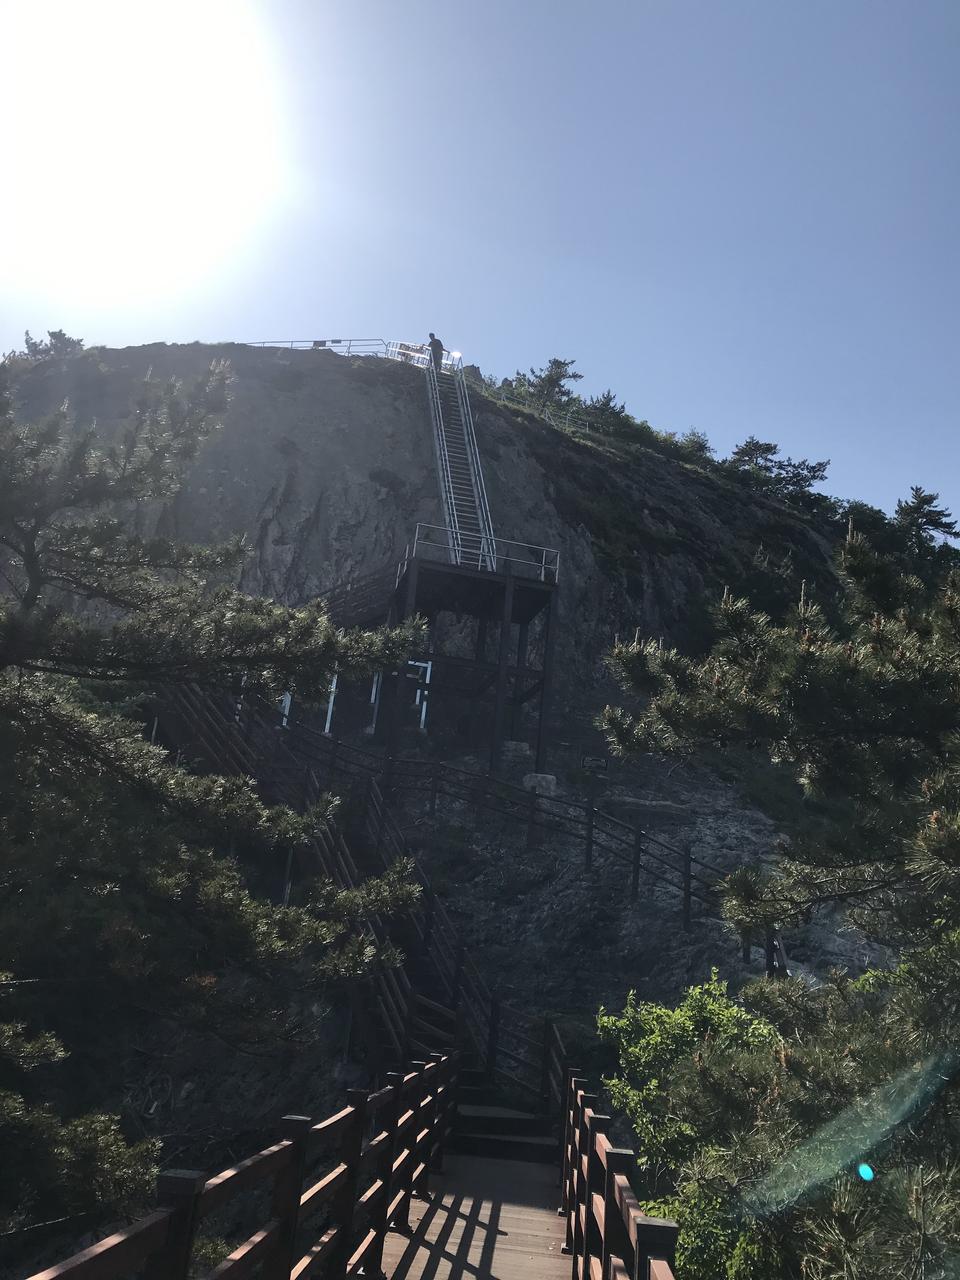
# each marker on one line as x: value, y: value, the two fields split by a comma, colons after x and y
x: 483, y: 1220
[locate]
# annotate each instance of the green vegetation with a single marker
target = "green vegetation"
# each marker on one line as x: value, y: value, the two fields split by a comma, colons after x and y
x: 755, y: 464
x: 753, y: 1116
x: 129, y: 928
x: 56, y: 346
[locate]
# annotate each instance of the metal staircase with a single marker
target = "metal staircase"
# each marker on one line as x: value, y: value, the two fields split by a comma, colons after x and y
x: 462, y: 492
x: 466, y: 515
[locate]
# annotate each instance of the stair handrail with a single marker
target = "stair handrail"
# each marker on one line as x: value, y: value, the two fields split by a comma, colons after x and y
x: 443, y: 462
x: 488, y: 549
x: 608, y: 834
x: 283, y: 778
x: 464, y: 983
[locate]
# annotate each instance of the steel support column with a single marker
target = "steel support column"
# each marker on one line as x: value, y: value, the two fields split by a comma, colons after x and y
x: 516, y: 702
x: 549, y: 642
x: 496, y: 747
x: 407, y: 607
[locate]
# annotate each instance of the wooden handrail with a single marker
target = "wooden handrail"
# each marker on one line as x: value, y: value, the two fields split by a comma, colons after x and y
x: 119, y: 1253
x: 607, y: 1232
x: 161, y: 1243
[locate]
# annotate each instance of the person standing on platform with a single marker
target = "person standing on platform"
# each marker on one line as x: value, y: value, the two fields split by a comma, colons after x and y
x: 436, y: 351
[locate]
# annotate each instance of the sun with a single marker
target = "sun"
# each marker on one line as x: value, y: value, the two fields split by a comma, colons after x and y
x: 144, y: 146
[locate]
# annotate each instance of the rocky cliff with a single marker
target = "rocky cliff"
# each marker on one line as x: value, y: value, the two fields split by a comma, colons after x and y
x: 326, y: 464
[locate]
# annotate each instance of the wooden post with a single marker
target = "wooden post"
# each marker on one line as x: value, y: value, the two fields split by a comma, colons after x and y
x: 179, y: 1190
x: 588, y: 851
x: 414, y: 1098
x: 437, y: 1115
x: 286, y: 1199
x: 656, y: 1238
x: 532, y: 832
x: 379, y: 1220
x: 568, y: 1130
x: 345, y: 1203
x: 580, y: 1184
x: 769, y: 954
x: 687, y: 890
x: 593, y: 1236
x: 635, y: 875
x: 616, y: 1239
x: 493, y: 1032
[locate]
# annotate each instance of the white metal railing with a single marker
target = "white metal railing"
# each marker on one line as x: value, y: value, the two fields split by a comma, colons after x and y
x: 433, y: 542
x: 488, y: 551
x: 414, y: 353
x: 341, y: 346
x: 556, y: 416
x: 419, y: 354
x: 443, y: 461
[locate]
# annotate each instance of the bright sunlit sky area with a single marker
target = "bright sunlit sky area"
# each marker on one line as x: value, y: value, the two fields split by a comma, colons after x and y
x: 741, y: 215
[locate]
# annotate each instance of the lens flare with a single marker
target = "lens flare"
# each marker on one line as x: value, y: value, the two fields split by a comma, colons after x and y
x: 842, y: 1143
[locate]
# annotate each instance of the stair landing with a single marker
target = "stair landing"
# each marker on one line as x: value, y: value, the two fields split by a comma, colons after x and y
x: 483, y: 1220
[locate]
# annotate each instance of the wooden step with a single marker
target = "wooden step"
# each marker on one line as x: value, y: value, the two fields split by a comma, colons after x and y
x: 500, y: 1146
x: 492, y: 1119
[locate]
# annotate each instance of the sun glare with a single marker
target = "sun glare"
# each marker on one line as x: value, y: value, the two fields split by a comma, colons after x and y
x: 144, y: 146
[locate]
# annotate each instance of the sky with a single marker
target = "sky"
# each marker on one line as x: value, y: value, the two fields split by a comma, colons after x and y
x: 740, y: 216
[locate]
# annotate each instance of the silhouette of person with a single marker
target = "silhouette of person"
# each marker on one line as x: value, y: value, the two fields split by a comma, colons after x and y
x: 436, y: 350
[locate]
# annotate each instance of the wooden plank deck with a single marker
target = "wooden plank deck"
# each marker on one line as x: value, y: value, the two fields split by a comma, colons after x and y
x: 483, y: 1220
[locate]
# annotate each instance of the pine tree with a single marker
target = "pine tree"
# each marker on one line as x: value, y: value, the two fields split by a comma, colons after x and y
x: 547, y: 387
x: 604, y: 414
x: 922, y: 520
x: 759, y: 463
x: 127, y: 910
x: 862, y: 716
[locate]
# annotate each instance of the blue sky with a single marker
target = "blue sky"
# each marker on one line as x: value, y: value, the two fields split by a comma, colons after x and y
x: 741, y: 216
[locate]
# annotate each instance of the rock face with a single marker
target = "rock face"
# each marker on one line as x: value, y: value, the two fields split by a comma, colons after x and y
x: 326, y: 463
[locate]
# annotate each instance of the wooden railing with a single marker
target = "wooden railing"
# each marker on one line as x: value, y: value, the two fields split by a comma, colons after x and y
x: 598, y: 834
x: 608, y: 1234
x: 360, y: 1167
